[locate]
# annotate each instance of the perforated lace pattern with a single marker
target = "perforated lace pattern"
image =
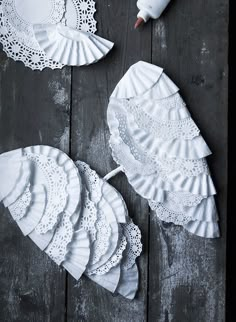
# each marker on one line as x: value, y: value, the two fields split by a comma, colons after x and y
x: 101, y: 244
x: 57, y: 249
x: 114, y: 260
x: 88, y: 216
x: 56, y: 178
x: 20, y: 206
x: 18, y: 38
x: 134, y: 245
x: 186, y: 167
x: 167, y: 130
x: 85, y: 10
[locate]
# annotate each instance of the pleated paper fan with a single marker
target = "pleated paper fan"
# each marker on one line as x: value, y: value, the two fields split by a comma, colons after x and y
x: 157, y: 144
x: 75, y: 216
x: 70, y: 46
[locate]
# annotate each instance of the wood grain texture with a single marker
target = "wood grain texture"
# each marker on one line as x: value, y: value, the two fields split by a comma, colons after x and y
x: 34, y: 109
x: 91, y: 89
x: 190, y: 280
x: 182, y: 277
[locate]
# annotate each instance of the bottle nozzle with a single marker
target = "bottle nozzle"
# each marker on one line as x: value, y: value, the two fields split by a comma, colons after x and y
x: 138, y: 23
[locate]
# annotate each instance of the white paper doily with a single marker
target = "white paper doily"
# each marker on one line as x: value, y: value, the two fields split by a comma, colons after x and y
x: 159, y: 147
x: 80, y: 15
x: 16, y: 29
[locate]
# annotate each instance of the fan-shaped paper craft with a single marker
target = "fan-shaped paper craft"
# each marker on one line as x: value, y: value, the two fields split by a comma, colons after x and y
x: 158, y: 145
x: 81, y: 223
x: 70, y: 46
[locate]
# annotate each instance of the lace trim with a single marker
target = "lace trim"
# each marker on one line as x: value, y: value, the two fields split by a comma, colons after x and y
x: 187, y: 167
x: 83, y: 19
x: 57, y: 249
x: 88, y: 216
x: 57, y: 194
x: 163, y: 213
x: 167, y: 130
x: 163, y: 106
x: 114, y: 260
x: 185, y: 199
x: 20, y: 207
x: 92, y: 181
x: 21, y: 45
x: 101, y: 244
x: 134, y: 245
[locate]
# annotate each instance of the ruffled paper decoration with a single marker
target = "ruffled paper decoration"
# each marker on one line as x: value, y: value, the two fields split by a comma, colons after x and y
x: 76, y: 217
x: 160, y: 149
x: 51, y: 33
x: 70, y: 46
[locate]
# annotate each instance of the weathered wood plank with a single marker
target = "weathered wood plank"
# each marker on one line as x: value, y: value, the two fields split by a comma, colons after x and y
x: 91, y: 89
x: 187, y: 273
x: 34, y: 109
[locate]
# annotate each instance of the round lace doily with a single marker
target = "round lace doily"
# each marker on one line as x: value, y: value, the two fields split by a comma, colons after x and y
x: 16, y: 29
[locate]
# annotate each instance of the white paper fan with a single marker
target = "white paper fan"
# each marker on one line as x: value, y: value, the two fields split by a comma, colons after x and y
x: 128, y: 283
x: 157, y: 144
x: 109, y: 280
x: 29, y: 208
x: 69, y: 46
x: 78, y: 254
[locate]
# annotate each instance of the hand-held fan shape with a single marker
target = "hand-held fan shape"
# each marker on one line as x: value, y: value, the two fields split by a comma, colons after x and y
x: 160, y: 149
x: 70, y: 46
x: 72, y: 214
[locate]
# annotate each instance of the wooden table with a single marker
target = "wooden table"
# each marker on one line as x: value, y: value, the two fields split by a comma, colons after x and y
x: 182, y: 277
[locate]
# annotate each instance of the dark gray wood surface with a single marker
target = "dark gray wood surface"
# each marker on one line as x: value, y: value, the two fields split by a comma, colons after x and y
x: 182, y: 277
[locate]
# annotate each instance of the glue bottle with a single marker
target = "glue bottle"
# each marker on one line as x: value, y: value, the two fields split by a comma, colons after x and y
x: 149, y: 9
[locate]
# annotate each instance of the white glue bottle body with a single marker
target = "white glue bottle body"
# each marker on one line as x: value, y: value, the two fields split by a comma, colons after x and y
x: 151, y: 8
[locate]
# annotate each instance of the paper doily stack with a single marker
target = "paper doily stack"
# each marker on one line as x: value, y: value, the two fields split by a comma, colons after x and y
x: 160, y: 149
x: 51, y: 33
x: 73, y: 215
